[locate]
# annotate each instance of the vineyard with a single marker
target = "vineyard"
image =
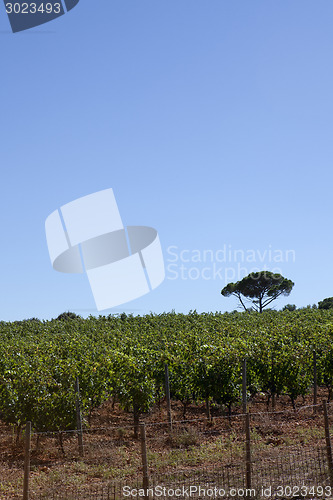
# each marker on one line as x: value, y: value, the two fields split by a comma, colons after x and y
x: 122, y: 359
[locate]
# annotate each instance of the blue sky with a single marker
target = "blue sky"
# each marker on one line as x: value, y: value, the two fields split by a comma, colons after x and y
x: 212, y: 122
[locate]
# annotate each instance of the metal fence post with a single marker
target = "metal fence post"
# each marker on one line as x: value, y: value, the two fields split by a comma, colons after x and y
x: 248, y: 450
x: 328, y: 443
x: 244, y: 386
x: 314, y: 381
x: 144, y: 459
x: 167, y: 393
x: 78, y: 417
x: 27, y: 451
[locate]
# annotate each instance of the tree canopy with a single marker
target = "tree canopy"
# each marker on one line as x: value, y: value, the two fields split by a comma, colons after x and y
x: 289, y: 307
x: 261, y: 288
x: 326, y: 303
x: 67, y: 315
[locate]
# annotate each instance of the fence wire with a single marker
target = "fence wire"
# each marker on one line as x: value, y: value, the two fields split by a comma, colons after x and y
x: 198, y: 458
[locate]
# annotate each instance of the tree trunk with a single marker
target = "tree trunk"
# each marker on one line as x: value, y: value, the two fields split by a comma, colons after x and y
x: 260, y: 305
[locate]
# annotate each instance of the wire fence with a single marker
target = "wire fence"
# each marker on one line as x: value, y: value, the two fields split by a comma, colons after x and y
x: 282, y: 455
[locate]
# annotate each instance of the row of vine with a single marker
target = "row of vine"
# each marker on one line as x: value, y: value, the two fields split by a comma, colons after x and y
x: 124, y: 357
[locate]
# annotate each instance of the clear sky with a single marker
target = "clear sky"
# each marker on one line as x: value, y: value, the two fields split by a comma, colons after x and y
x: 211, y: 120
